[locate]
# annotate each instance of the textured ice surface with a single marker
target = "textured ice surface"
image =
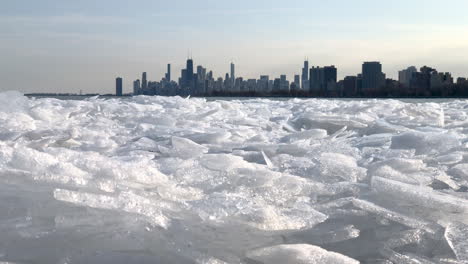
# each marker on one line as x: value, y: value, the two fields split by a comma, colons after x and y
x: 456, y: 234
x: 174, y: 180
x: 302, y: 254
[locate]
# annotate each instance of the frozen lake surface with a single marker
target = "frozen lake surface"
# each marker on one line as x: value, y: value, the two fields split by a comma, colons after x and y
x: 174, y: 180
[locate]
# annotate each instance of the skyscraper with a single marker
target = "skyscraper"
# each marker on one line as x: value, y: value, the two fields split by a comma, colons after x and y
x: 118, y: 86
x: 189, y: 70
x: 404, y: 76
x: 201, y: 78
x: 136, y: 87
x: 305, y: 76
x: 168, y: 74
x: 144, y: 82
x: 372, y: 76
x: 330, y: 74
x: 233, y: 73
x: 297, y: 80
x: 323, y: 79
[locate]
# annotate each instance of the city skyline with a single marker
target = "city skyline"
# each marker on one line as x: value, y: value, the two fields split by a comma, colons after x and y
x: 315, y: 81
x: 67, y: 46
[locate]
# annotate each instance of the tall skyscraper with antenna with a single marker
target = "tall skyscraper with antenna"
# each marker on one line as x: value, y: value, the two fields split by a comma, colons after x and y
x: 305, y: 75
x: 233, y: 73
x: 189, y: 69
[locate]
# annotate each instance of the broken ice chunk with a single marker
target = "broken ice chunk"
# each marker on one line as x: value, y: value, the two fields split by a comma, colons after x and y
x: 267, y: 160
x: 307, y: 134
x: 457, y: 237
x: 404, y: 239
x: 426, y: 142
x: 460, y: 171
x: 255, y: 212
x: 336, y: 165
x: 325, y: 235
x: 390, y: 173
x: 126, y: 202
x: 300, y: 253
x: 186, y: 148
x: 420, y: 195
x: 209, y: 138
x: 450, y: 158
x: 209, y: 261
x: 396, y: 217
x: 224, y: 162
x: 400, y: 164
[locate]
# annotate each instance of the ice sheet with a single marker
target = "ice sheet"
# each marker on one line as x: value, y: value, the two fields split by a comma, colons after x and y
x: 177, y: 180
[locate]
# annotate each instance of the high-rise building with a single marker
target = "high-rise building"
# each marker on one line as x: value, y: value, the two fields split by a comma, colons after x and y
x: 461, y: 80
x: 297, y: 81
x: 201, y: 80
x: 252, y: 85
x: 441, y: 79
x: 189, y: 70
x: 323, y: 79
x: 144, y: 82
x: 284, y: 84
x: 263, y: 84
x: 330, y: 74
x: 316, y: 79
x: 350, y: 86
x: 118, y: 86
x: 276, y: 85
x: 136, y: 87
x: 209, y: 76
x: 168, y: 74
x: 201, y: 73
x: 404, y: 76
x: 420, y: 82
x: 305, y: 76
x: 233, y: 72
x: 373, y: 78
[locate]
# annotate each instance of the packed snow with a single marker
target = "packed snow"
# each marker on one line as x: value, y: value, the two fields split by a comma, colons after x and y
x: 179, y: 180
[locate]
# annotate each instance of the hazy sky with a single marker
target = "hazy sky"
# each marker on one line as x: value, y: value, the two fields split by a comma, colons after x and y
x: 68, y: 45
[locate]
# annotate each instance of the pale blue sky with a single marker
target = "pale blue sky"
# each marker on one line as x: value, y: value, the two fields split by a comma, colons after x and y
x: 68, y: 45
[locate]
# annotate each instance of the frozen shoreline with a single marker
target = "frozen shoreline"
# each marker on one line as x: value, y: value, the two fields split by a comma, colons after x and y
x: 173, y: 180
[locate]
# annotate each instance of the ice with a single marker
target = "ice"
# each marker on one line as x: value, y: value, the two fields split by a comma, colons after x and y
x: 127, y: 202
x: 224, y: 162
x: 325, y: 236
x: 421, y: 196
x: 335, y: 165
x: 185, y: 148
x: 456, y: 235
x: 426, y: 142
x: 460, y: 170
x: 396, y: 217
x: 450, y: 158
x: 305, y: 135
x: 191, y: 180
x: 300, y: 254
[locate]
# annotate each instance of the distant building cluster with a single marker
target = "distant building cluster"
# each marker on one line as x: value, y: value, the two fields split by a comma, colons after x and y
x: 314, y: 82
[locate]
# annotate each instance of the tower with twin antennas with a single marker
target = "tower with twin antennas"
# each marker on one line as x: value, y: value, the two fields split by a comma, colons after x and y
x: 305, y: 74
x: 233, y: 72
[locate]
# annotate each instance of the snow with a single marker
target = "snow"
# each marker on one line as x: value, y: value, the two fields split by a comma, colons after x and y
x: 177, y: 180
